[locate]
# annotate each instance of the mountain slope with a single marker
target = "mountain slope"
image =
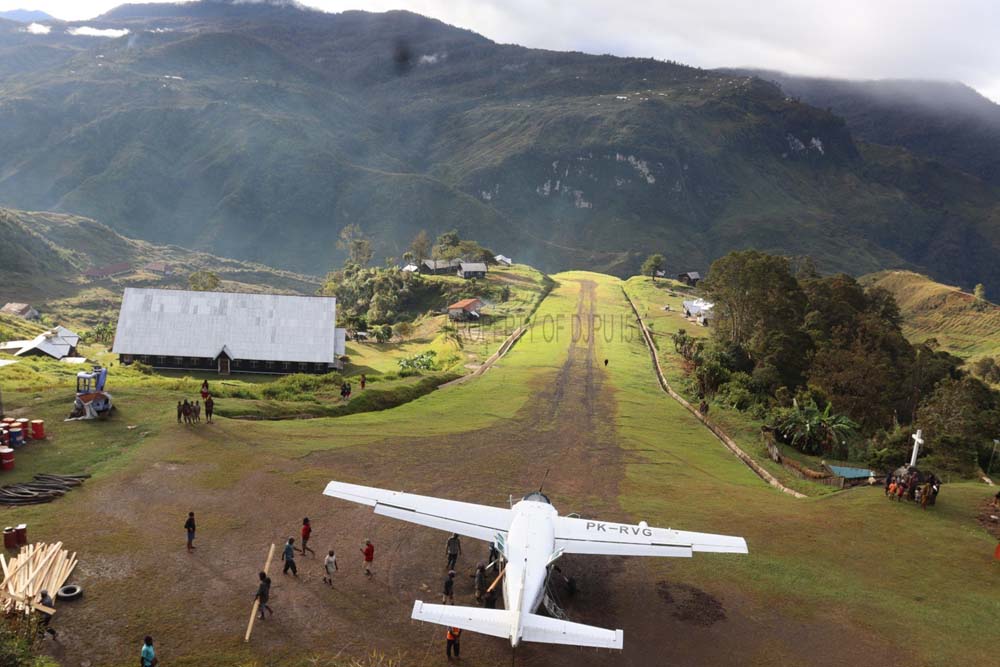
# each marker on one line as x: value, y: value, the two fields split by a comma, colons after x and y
x: 259, y: 131
x: 25, y: 15
x: 43, y: 256
x: 938, y: 120
x: 942, y: 312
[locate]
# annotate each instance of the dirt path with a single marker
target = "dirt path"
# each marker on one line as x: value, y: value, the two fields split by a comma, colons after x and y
x: 140, y: 579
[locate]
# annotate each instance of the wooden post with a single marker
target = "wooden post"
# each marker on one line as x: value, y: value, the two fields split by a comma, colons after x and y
x: 497, y: 580
x: 256, y: 603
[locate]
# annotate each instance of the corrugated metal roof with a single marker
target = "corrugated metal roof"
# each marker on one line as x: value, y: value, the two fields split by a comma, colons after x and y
x: 52, y: 343
x: 261, y: 327
x: 850, y: 473
x: 472, y: 266
x: 465, y: 304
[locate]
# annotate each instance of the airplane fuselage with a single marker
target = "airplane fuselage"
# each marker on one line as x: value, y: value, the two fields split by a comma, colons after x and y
x: 531, y: 542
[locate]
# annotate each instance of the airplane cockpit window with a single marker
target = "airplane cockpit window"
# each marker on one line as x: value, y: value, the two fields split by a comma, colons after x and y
x: 538, y: 497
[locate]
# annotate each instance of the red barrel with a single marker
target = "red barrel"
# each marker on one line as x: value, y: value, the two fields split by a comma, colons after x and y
x: 8, y: 421
x: 9, y: 538
x: 25, y: 425
x: 38, y: 429
x: 6, y: 458
x: 21, y: 534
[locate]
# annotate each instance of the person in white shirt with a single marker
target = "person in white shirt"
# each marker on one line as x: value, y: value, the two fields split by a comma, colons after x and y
x: 330, y: 565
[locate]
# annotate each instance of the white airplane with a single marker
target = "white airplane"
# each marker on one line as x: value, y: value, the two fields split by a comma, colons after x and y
x: 531, y: 536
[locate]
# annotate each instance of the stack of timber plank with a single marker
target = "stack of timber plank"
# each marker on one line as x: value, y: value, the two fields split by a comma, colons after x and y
x: 38, y: 567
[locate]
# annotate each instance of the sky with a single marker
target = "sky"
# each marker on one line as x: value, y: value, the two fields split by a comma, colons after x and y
x: 860, y: 39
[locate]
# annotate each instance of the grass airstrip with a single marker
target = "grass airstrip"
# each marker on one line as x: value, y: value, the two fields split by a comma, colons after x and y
x: 825, y: 574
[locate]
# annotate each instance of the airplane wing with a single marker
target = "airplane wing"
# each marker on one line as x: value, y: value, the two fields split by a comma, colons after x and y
x: 584, y: 536
x: 481, y: 522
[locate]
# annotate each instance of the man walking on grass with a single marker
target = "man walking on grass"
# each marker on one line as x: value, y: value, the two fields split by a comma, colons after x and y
x: 209, y: 408
x: 330, y: 566
x: 180, y: 412
x: 306, y: 533
x: 453, y: 549
x: 190, y: 527
x: 264, y: 594
x: 369, y: 554
x: 288, y: 555
x: 147, y: 657
x: 448, y: 594
x: 453, y: 636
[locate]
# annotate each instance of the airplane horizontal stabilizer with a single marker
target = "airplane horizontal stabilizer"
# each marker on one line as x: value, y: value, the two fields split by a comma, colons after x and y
x: 493, y: 622
x: 554, y: 631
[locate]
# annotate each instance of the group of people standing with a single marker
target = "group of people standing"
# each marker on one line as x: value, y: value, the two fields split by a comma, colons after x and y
x: 189, y: 412
x: 909, y: 486
x: 330, y: 566
x: 485, y: 593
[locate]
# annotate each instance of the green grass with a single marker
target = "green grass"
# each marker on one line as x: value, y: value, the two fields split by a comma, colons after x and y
x: 649, y: 298
x: 933, y: 310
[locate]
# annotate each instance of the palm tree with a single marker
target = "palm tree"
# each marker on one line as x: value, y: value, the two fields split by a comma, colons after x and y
x: 814, y: 431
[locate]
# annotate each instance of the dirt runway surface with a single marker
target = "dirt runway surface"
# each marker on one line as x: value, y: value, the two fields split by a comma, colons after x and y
x: 198, y: 603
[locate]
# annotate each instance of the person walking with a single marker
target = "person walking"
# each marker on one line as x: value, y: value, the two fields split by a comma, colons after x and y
x: 330, y: 566
x: 197, y: 411
x: 186, y: 411
x: 480, y: 581
x: 209, y: 408
x: 453, y: 636
x: 605, y: 362
x: 147, y: 657
x: 306, y: 534
x: 46, y: 617
x: 453, y: 549
x: 204, y: 390
x: 448, y: 591
x: 180, y: 412
x: 190, y: 527
x: 264, y: 594
x: 925, y: 494
x: 288, y: 555
x: 364, y: 381
x: 348, y: 391
x: 369, y: 554
x: 888, y: 482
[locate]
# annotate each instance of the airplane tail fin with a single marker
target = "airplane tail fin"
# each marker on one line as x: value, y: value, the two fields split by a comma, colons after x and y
x: 494, y: 622
x: 554, y: 631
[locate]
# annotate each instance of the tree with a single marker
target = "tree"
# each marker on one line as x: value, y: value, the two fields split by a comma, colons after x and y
x: 204, y: 281
x: 357, y: 246
x: 408, y: 258
x: 980, y: 293
x: 446, y: 246
x: 812, y: 430
x: 653, y: 264
x: 420, y: 246
x: 383, y: 334
x: 757, y: 301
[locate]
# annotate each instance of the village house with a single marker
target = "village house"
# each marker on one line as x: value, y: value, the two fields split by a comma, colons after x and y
x: 700, y: 310
x: 439, y: 267
x: 21, y: 310
x: 229, y: 332
x: 466, y: 309
x: 57, y: 343
x: 108, y: 271
x: 471, y: 270
x: 159, y: 267
x: 691, y: 278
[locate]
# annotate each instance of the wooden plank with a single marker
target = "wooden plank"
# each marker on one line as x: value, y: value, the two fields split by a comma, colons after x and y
x: 256, y: 603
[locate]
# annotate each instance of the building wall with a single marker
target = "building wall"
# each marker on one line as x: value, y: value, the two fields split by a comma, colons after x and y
x: 235, y: 366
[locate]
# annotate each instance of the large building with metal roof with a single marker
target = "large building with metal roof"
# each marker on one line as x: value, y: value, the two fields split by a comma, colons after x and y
x: 229, y: 332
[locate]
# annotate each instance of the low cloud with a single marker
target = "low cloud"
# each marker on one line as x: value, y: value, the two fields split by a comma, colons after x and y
x: 37, y: 29
x: 87, y: 31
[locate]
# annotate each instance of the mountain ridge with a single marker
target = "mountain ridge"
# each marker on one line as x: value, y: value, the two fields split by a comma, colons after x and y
x: 208, y: 126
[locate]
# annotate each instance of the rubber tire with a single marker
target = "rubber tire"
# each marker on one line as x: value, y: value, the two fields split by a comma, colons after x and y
x: 70, y: 592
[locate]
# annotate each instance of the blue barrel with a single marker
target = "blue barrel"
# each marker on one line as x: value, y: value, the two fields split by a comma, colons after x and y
x: 16, y: 437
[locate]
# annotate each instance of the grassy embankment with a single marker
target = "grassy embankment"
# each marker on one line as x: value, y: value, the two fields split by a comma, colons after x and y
x: 923, y: 581
x: 945, y: 313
